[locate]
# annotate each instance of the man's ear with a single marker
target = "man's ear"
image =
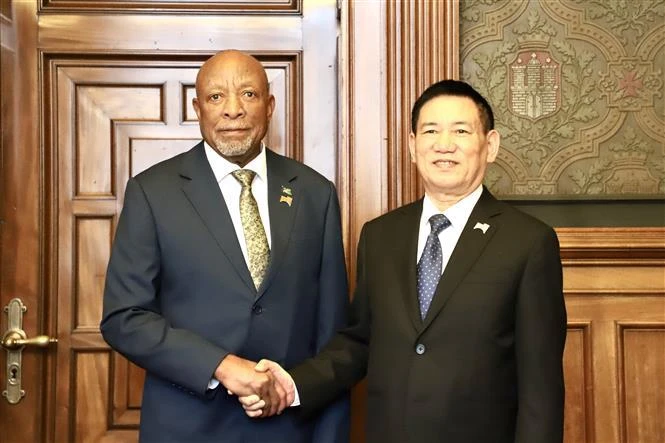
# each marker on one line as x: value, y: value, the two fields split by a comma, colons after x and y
x: 493, y: 142
x: 412, y: 147
x: 271, y: 106
x: 195, y: 104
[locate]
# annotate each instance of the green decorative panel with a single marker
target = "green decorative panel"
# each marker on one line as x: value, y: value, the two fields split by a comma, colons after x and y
x: 577, y: 87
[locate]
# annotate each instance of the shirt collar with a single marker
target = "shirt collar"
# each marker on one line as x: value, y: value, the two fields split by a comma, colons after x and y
x: 458, y: 214
x: 221, y: 167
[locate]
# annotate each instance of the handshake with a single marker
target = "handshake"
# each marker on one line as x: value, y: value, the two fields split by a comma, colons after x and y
x: 263, y: 389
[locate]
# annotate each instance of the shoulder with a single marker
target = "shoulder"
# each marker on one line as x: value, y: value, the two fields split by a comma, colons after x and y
x: 396, y: 221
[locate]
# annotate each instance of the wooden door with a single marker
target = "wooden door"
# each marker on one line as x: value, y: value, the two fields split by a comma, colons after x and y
x: 93, y: 93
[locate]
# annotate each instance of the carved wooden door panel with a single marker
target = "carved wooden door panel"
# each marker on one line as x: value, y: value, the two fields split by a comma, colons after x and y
x: 110, y: 95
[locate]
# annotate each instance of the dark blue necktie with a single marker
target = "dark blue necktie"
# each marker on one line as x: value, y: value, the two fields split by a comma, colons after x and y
x: 430, y: 264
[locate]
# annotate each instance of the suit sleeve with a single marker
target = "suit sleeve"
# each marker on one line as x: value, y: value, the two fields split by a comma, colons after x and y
x: 540, y: 337
x: 131, y: 322
x: 333, y: 424
x: 343, y: 362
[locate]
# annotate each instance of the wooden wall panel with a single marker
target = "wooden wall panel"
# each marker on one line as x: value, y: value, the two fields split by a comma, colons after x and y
x: 89, y: 404
x: 126, y: 392
x: 578, y: 374
x: 642, y: 381
x: 92, y: 237
x: 614, y: 281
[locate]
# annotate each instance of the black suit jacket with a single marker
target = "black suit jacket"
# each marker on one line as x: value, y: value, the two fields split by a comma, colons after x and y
x: 486, y: 363
x: 179, y: 297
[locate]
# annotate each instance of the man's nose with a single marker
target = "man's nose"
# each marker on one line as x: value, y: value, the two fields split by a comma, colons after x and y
x: 233, y: 107
x: 444, y: 142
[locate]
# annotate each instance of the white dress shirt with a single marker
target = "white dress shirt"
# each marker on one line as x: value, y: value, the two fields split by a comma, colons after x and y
x: 458, y: 214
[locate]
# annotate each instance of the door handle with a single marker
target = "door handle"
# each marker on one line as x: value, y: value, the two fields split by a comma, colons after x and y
x: 14, y: 341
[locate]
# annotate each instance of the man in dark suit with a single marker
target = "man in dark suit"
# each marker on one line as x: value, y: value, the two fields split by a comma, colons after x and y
x: 458, y: 319
x: 222, y: 255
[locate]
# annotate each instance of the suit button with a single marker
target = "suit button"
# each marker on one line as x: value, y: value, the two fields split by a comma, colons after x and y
x: 257, y: 309
x: 420, y: 349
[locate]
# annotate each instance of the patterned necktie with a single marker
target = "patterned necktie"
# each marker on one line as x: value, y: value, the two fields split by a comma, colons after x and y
x: 255, y: 236
x: 430, y: 264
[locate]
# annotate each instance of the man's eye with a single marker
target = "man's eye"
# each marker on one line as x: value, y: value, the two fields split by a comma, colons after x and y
x: 249, y: 94
x: 461, y: 131
x: 215, y: 97
x: 429, y: 131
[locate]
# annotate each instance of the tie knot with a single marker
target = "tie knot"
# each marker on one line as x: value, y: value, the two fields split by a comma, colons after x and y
x: 244, y: 176
x: 439, y: 222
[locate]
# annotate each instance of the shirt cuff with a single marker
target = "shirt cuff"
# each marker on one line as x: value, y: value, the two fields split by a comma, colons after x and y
x: 213, y: 383
x: 296, y: 400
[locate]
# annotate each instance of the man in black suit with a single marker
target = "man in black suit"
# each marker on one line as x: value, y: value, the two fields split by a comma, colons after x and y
x: 222, y: 255
x: 458, y: 319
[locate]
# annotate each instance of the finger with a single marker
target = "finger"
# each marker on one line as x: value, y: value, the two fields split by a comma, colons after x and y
x: 254, y: 414
x: 272, y: 396
x: 258, y: 406
x: 281, y: 393
x: 250, y: 400
x: 265, y: 365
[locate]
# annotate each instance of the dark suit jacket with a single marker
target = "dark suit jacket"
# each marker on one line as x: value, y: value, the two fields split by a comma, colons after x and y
x: 179, y: 297
x: 486, y: 363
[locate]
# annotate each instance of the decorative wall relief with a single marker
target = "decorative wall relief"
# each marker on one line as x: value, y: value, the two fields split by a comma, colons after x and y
x: 577, y: 87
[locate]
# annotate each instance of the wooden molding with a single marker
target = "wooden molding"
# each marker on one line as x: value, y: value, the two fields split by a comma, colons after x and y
x: 594, y: 245
x: 422, y: 48
x: 180, y: 7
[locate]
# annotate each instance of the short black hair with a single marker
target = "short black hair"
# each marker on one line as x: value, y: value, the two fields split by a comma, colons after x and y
x: 455, y: 88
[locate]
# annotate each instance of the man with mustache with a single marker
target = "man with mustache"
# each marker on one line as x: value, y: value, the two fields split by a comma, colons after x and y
x: 223, y: 255
x: 458, y: 318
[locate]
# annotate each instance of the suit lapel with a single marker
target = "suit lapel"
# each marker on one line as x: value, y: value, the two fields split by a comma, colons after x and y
x: 471, y: 244
x: 406, y: 247
x: 202, y: 190
x: 284, y: 199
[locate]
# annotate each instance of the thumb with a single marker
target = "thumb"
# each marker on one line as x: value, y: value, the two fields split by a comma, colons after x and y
x: 263, y: 365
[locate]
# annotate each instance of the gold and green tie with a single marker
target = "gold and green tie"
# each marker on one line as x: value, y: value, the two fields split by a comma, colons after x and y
x: 255, y: 236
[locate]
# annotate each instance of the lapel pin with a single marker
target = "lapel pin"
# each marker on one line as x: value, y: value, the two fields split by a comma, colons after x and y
x: 286, y: 199
x: 482, y: 226
x: 287, y: 196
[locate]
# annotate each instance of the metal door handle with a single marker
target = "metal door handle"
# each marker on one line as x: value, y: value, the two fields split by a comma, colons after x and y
x: 14, y: 340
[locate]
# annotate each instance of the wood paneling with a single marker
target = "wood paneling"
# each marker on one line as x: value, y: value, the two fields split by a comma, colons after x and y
x: 89, y: 404
x: 422, y: 48
x: 578, y: 374
x: 642, y: 381
x: 21, y: 270
x: 181, y: 6
x: 614, y: 281
x: 92, y: 238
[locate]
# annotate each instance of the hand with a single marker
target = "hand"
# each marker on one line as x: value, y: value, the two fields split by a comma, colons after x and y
x: 239, y: 377
x: 254, y: 406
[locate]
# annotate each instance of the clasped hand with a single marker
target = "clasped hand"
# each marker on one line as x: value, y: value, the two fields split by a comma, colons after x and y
x: 263, y: 389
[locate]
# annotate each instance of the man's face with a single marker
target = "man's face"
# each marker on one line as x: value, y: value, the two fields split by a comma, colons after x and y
x: 450, y: 147
x: 233, y: 105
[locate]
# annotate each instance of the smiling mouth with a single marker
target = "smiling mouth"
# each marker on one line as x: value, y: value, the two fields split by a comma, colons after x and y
x: 445, y: 163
